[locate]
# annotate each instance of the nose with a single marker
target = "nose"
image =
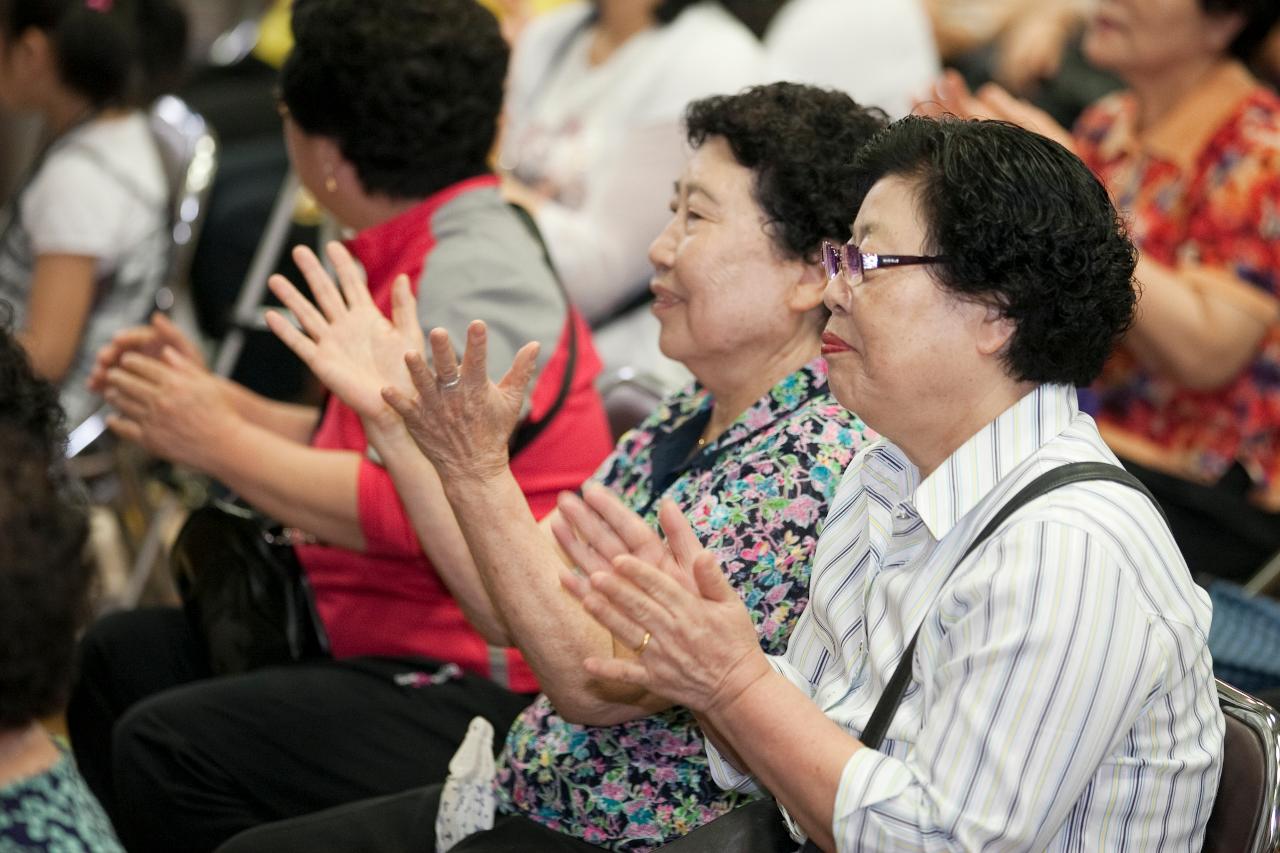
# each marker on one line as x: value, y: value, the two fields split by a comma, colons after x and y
x: 662, y: 250
x: 836, y: 294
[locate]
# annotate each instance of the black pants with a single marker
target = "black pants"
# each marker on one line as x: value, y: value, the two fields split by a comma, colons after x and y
x: 184, y: 761
x: 1220, y: 533
x: 406, y: 823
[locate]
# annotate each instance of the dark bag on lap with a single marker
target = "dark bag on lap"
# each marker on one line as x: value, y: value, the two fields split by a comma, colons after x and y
x: 244, y: 591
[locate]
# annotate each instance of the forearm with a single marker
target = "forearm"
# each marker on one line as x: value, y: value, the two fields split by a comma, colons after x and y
x: 437, y: 530
x: 1198, y: 333
x: 790, y: 746
x: 288, y: 420
x: 304, y: 487
x: 520, y: 567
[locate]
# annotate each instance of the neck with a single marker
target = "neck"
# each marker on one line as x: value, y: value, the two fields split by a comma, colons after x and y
x: 368, y: 211
x: 25, y: 752
x: 1158, y: 94
x: 739, y: 386
x: 618, y: 21
x: 65, y: 110
x: 929, y: 448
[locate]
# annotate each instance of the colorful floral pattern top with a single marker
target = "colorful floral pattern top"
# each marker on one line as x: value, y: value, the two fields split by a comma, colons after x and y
x: 756, y: 497
x: 54, y: 811
x: 1201, y: 193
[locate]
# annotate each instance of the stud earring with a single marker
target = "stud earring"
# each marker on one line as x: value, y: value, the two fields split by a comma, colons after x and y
x: 330, y: 182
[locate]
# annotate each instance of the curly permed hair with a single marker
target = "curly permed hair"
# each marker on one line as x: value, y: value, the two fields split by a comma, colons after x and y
x: 800, y: 142
x: 1259, y: 16
x: 410, y: 91
x: 1023, y: 225
x: 44, y: 583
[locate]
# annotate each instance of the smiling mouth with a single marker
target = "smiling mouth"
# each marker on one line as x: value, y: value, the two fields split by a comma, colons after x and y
x: 832, y: 344
x: 662, y: 298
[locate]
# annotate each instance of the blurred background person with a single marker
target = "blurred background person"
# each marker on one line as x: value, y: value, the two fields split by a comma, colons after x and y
x: 1191, y: 155
x: 408, y: 172
x: 45, y: 805
x: 592, y: 140
x: 85, y: 244
x: 882, y: 54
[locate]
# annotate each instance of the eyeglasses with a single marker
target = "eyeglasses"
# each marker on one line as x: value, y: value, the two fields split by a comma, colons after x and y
x: 845, y: 256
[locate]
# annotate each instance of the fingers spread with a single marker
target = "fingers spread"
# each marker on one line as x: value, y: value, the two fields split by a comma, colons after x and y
x: 681, y: 539
x: 322, y: 286
x: 404, y: 308
x: 590, y: 527
x: 584, y: 555
x: 629, y: 527
x: 443, y: 357
x: 302, y: 346
x: 350, y: 276
x: 475, y: 356
x: 312, y: 321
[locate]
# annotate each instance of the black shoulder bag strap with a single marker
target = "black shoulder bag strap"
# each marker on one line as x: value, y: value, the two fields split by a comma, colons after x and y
x: 529, y: 430
x: 1075, y: 472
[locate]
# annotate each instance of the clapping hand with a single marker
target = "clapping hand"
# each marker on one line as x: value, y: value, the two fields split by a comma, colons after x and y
x: 347, y: 341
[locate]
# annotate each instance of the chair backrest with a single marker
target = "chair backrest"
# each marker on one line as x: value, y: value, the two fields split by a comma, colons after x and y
x: 189, y: 155
x: 1245, y: 817
x: 629, y: 396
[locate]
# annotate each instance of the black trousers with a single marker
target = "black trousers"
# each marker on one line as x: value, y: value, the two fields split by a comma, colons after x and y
x: 184, y: 761
x: 406, y: 823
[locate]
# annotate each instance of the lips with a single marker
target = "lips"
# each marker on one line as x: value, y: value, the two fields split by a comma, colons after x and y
x: 832, y: 344
x: 662, y: 297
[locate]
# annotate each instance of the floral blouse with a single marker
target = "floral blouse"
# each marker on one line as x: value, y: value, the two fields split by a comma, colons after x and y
x: 54, y: 811
x: 756, y: 497
x: 1201, y: 193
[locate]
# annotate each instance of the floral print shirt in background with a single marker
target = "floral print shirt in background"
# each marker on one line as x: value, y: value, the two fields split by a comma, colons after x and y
x: 756, y: 497
x: 1200, y: 191
x: 54, y: 811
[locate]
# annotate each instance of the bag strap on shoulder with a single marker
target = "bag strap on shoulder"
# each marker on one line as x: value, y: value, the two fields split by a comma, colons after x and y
x: 1074, y: 472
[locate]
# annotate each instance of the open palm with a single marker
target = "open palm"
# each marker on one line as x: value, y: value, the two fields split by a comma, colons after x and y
x: 347, y: 341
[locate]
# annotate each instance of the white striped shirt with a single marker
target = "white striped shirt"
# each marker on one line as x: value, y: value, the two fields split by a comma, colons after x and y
x: 1062, y: 693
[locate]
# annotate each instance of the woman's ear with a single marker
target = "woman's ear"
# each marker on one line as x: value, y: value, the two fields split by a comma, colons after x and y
x: 1221, y: 30
x: 995, y: 330
x: 807, y: 290
x: 30, y: 56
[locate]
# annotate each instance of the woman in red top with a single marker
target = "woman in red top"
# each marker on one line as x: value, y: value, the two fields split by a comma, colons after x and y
x: 1191, y: 155
x: 390, y: 111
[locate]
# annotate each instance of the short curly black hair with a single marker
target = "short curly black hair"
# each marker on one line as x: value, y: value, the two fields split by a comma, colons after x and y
x: 800, y: 142
x: 409, y: 89
x: 44, y: 582
x: 1260, y: 17
x: 1023, y: 225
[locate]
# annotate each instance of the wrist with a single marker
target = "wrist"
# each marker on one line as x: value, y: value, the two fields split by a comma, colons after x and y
x: 747, y: 679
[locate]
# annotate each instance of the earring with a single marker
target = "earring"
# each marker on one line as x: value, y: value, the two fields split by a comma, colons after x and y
x: 330, y: 182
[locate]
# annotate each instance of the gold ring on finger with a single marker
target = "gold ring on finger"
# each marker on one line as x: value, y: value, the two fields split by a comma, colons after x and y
x: 644, y: 644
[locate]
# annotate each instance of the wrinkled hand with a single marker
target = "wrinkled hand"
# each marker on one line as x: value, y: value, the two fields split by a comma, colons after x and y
x: 348, y: 343
x: 171, y: 406
x: 597, y: 528
x: 702, y: 651
x: 460, y: 420
x: 149, y: 340
x: 952, y: 97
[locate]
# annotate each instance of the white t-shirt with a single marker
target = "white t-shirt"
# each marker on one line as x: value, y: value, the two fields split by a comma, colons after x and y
x: 608, y: 141
x: 101, y: 192
x: 882, y: 54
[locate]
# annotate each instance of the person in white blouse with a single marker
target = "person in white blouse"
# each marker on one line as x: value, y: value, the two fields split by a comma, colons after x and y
x: 1061, y: 694
x: 882, y: 54
x: 593, y: 143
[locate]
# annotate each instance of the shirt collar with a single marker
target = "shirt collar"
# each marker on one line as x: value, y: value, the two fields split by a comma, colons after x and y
x: 1183, y: 134
x: 400, y: 244
x: 969, y: 474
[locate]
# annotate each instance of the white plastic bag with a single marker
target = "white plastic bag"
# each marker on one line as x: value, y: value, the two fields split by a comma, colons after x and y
x: 467, y: 802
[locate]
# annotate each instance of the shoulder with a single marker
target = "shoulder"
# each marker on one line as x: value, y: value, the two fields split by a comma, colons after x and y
x: 108, y: 163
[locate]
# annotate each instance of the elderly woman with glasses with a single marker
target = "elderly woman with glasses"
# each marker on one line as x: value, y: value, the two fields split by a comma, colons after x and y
x: 750, y: 452
x: 1059, y: 675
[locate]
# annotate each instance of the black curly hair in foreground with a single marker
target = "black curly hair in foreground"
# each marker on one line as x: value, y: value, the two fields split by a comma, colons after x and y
x: 409, y: 89
x: 1024, y: 225
x: 799, y: 141
x: 1259, y: 17
x: 44, y: 583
